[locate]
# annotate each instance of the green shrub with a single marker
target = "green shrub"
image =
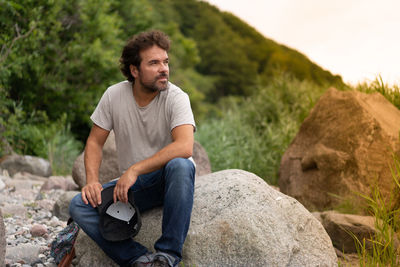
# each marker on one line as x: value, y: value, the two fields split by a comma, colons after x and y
x: 62, y: 151
x: 253, y: 133
x: 34, y: 134
x: 231, y: 145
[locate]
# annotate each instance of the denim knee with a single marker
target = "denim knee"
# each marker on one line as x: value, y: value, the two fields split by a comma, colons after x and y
x: 180, y: 165
x: 180, y: 172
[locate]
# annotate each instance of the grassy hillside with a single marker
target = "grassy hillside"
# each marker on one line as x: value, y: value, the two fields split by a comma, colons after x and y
x: 239, y: 57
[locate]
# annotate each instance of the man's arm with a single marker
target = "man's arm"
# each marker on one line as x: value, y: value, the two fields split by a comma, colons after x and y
x: 91, y: 192
x: 181, y: 147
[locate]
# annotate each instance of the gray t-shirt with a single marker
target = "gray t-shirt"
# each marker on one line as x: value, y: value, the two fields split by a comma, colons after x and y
x: 140, y: 132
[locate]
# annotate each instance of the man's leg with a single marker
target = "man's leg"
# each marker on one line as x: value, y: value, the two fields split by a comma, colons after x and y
x: 179, y: 177
x: 123, y: 252
x: 87, y: 218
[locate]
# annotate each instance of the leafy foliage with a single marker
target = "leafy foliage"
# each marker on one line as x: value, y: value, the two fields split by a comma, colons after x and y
x: 59, y: 55
x: 254, y: 132
x: 35, y: 134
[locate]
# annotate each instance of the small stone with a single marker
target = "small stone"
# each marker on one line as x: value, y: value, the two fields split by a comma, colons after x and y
x: 44, y: 249
x: 7, y: 262
x: 46, y: 204
x: 54, y: 222
x: 38, y: 230
x: 2, y: 185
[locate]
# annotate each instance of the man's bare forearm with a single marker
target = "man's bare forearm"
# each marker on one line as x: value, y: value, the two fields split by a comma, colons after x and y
x: 162, y: 157
x: 94, y: 153
x: 91, y: 192
x: 92, y: 158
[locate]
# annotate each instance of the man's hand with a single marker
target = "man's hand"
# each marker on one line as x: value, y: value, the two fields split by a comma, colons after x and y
x: 91, y: 193
x: 124, y: 183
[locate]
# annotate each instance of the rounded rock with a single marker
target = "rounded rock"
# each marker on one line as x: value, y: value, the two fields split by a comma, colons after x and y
x: 38, y: 230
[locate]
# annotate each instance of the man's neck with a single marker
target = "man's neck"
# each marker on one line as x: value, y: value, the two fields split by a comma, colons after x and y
x: 142, y: 96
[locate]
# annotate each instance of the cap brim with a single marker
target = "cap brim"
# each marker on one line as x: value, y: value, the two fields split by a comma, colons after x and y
x: 113, y: 229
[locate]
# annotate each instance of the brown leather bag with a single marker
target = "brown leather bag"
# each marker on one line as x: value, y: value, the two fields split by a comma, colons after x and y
x: 66, y: 261
x: 62, y: 248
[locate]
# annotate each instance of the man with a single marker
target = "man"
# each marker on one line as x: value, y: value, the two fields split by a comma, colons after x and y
x: 153, y: 125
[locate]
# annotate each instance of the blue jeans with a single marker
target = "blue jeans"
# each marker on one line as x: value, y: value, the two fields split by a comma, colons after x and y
x: 171, y: 186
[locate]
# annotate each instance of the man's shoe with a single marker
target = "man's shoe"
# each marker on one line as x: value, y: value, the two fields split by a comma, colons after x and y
x: 144, y: 261
x: 160, y: 261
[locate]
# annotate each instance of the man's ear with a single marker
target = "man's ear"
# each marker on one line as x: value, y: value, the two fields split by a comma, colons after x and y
x: 134, y: 71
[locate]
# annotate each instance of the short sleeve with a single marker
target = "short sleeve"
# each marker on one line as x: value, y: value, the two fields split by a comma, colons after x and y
x: 181, y: 111
x: 102, y: 116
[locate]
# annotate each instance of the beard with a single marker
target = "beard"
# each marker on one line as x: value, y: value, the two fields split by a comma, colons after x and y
x: 153, y: 86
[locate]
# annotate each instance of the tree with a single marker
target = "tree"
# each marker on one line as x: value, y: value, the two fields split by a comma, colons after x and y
x: 64, y: 56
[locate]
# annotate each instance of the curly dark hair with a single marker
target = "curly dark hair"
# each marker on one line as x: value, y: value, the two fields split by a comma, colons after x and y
x: 130, y: 53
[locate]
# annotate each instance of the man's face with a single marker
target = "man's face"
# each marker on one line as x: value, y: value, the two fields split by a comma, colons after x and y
x: 153, y: 73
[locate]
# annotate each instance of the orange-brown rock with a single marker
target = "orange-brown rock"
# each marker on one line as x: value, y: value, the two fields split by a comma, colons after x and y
x: 344, y: 228
x: 343, y: 147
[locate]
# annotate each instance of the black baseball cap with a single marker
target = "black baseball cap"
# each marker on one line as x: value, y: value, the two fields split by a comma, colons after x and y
x: 118, y: 221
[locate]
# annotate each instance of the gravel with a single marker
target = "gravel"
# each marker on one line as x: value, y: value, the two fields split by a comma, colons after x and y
x: 29, y: 223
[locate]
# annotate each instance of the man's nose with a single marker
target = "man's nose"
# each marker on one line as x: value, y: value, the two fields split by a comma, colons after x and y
x: 164, y: 67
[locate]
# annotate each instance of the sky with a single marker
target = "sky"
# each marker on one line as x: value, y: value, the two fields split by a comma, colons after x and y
x: 357, y: 39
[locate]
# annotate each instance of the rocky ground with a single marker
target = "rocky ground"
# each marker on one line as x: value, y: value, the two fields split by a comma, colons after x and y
x: 30, y: 224
x: 33, y: 216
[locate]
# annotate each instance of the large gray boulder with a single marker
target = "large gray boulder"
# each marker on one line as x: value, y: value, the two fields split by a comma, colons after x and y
x: 2, y: 240
x: 237, y: 220
x: 34, y: 165
x: 89, y: 254
x: 345, y: 145
x: 109, y: 165
x: 201, y: 159
x: 61, y: 207
x: 59, y: 182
